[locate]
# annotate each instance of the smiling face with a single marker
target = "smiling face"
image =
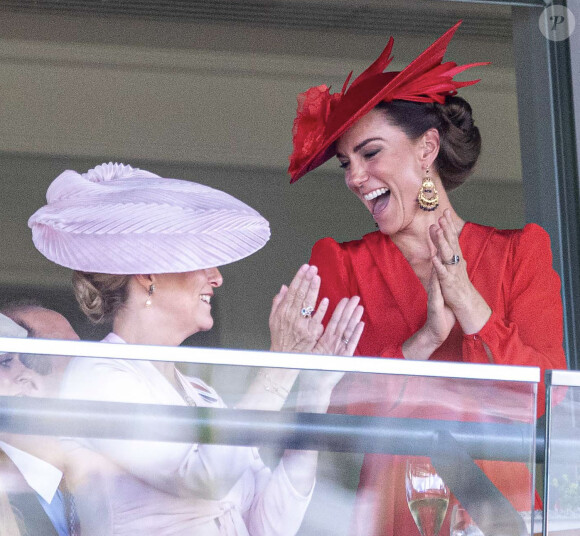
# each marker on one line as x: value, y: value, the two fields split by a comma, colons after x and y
x: 384, y: 169
x: 185, y: 299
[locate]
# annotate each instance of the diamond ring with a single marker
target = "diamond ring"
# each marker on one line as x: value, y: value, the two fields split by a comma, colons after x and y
x: 454, y: 260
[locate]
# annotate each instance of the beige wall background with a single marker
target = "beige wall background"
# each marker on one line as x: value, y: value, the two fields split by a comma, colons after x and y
x: 213, y: 102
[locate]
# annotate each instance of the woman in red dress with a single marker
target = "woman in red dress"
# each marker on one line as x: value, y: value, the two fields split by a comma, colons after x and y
x: 434, y: 286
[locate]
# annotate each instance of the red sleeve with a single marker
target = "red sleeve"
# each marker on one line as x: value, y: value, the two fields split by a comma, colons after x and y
x: 335, y: 267
x: 531, y: 333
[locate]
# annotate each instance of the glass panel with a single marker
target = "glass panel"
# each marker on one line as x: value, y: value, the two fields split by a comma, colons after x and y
x: 563, y: 481
x: 154, y: 451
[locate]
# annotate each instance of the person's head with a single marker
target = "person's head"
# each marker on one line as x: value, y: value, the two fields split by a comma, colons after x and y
x: 388, y: 153
x: 459, y: 139
x: 178, y: 302
x: 41, y: 323
x: 38, y: 321
x: 414, y: 113
x: 15, y: 378
x: 145, y: 248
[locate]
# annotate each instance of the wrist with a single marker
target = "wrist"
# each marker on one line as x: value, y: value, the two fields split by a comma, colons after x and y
x: 473, y: 314
x: 420, y: 345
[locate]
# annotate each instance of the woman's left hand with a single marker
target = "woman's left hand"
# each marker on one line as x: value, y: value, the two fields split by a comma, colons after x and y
x: 343, y: 330
x: 468, y: 305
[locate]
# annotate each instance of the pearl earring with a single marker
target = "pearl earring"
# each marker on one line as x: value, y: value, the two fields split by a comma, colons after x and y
x: 150, y: 293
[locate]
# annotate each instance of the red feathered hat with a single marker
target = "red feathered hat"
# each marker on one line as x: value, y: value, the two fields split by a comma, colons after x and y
x: 322, y: 117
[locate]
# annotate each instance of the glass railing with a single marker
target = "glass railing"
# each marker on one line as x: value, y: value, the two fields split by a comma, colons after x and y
x: 562, y: 459
x: 225, y: 444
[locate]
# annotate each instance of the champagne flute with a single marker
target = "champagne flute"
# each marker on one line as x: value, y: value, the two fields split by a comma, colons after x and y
x: 462, y: 524
x: 427, y: 496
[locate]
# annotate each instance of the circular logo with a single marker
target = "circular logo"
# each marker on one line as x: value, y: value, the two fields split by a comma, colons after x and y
x: 557, y: 23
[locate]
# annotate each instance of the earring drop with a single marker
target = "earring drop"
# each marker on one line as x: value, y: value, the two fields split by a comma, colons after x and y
x: 428, y: 197
x: 150, y: 293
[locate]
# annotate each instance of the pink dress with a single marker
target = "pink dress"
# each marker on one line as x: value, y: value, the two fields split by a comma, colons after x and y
x: 162, y: 489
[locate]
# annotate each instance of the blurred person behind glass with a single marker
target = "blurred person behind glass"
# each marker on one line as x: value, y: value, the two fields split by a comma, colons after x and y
x: 42, y: 323
x: 30, y: 466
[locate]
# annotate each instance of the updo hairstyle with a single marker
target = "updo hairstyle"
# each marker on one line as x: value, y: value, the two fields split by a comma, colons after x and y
x: 100, y: 296
x: 460, y: 142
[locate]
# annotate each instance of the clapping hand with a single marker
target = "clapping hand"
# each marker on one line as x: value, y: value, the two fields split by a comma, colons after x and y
x: 459, y: 294
x: 294, y: 325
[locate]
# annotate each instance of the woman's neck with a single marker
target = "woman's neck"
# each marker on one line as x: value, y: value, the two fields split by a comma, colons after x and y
x: 144, y: 327
x: 415, y: 244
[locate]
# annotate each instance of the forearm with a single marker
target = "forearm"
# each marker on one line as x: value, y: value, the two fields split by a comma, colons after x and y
x: 472, y: 312
x: 300, y: 466
x: 269, y: 389
x: 420, y: 346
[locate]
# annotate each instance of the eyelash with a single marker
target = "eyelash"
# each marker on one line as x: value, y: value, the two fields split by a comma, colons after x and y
x: 368, y: 156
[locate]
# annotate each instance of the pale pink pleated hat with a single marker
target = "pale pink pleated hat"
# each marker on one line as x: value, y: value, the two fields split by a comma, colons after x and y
x: 116, y: 219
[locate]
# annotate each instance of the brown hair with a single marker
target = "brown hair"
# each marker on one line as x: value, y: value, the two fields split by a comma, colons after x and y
x: 459, y: 138
x: 100, y: 296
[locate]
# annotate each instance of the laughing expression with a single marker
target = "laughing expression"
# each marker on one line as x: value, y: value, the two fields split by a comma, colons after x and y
x: 382, y: 167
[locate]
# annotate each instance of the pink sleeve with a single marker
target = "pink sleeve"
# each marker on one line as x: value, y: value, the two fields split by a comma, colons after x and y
x: 277, y: 509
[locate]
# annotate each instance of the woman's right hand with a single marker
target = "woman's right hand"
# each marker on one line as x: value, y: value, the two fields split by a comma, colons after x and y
x: 440, y: 321
x: 290, y: 330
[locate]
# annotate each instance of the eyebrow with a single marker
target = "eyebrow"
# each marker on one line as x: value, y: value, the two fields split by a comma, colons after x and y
x: 358, y: 147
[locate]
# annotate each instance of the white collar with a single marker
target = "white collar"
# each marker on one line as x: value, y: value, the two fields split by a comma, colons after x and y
x: 114, y: 338
x: 41, y: 476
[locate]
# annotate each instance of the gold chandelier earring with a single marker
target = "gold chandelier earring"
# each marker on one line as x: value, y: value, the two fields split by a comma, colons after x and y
x: 428, y: 197
x: 149, y: 294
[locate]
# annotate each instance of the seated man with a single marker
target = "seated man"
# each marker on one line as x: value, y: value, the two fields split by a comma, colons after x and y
x: 32, y: 484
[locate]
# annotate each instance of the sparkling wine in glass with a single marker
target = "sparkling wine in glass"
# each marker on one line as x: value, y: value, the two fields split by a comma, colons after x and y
x: 427, y: 496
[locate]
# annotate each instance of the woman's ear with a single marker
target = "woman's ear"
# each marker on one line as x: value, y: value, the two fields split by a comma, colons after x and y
x: 429, y: 146
x: 145, y: 280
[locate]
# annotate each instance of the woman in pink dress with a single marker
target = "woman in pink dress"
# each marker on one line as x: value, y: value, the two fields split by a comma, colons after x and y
x: 145, y: 251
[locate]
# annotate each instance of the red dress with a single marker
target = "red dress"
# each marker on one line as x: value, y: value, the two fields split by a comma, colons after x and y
x: 513, y: 272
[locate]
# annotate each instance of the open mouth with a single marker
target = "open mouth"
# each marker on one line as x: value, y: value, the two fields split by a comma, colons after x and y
x: 206, y: 298
x: 379, y: 199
